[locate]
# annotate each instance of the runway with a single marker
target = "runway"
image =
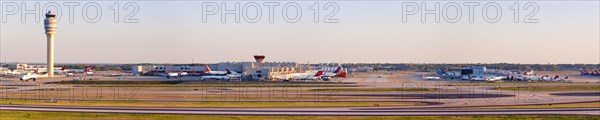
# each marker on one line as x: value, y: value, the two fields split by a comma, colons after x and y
x: 449, y: 101
x: 318, y: 111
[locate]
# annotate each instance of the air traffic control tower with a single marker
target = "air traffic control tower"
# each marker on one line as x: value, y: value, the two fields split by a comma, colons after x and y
x: 50, y: 28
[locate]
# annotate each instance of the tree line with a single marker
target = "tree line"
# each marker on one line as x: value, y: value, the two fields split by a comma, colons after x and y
x: 501, y: 66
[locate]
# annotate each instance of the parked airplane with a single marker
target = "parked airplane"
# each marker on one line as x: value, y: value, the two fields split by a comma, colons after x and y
x: 306, y: 76
x: 451, y: 74
x: 233, y: 74
x: 88, y: 71
x: 486, y: 78
x: 227, y: 76
x: 528, y: 73
x: 30, y: 76
x: 220, y: 75
x: 589, y: 72
x: 56, y: 70
x: 430, y: 77
x: 281, y: 77
x: 11, y: 72
x: 215, y: 77
x: 170, y: 74
x: 337, y: 73
x: 121, y: 73
x: 210, y: 72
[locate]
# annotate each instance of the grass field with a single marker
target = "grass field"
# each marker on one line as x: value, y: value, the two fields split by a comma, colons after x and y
x: 568, y: 105
x: 21, y: 115
x: 208, y: 104
x: 503, y: 83
x: 371, y: 90
x: 554, y: 88
x: 118, y: 82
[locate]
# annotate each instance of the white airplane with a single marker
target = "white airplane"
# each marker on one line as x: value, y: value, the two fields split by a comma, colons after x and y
x: 479, y: 78
x: 233, y: 74
x: 528, y: 73
x: 554, y: 79
x: 219, y: 74
x: 29, y: 76
x: 210, y: 72
x: 56, y: 70
x: 486, y: 78
x: 63, y: 69
x: 337, y: 73
x: 530, y: 77
x: 430, y: 77
x: 495, y: 78
x: 87, y: 70
x: 306, y: 76
x: 215, y: 77
x: 170, y: 74
x: 11, y: 72
x: 227, y: 76
x: 183, y: 73
x: 280, y: 77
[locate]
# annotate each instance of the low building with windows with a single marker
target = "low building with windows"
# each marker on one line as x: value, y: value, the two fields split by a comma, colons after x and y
x: 249, y: 70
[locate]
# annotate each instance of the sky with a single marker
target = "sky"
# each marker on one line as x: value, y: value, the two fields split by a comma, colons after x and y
x: 359, y: 32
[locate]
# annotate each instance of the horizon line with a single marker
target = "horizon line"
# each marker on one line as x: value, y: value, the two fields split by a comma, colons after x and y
x: 313, y: 63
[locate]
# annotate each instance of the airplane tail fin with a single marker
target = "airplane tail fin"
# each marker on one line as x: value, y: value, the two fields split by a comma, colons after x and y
x: 319, y: 73
x: 531, y: 72
x: 228, y: 72
x: 36, y: 71
x: 207, y: 68
x: 90, y: 68
x: 337, y: 70
x: 64, y: 67
x: 342, y: 74
x: 587, y: 72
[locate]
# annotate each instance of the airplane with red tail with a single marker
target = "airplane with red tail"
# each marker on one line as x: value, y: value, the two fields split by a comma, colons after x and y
x: 337, y: 73
x: 210, y: 72
x: 306, y: 76
x: 589, y: 72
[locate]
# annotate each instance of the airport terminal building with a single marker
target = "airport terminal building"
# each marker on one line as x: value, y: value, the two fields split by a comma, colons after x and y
x: 249, y: 70
x: 26, y: 67
x: 473, y: 70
